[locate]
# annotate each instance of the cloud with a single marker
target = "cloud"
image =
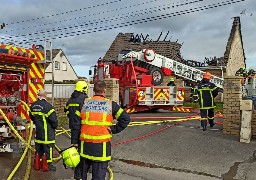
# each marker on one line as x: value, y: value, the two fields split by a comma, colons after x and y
x: 204, y: 33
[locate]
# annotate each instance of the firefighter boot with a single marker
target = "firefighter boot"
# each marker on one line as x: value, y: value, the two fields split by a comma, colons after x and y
x: 44, y: 165
x: 211, y: 121
x: 37, y: 162
x: 204, y: 128
x: 51, y: 167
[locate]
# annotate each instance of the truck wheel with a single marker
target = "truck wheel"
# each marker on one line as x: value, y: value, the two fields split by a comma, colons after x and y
x: 157, y: 76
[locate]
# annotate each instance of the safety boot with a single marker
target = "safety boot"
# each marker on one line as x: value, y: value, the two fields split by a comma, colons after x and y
x: 51, y: 167
x: 37, y: 162
x: 44, y: 165
x: 204, y: 128
x: 212, y: 124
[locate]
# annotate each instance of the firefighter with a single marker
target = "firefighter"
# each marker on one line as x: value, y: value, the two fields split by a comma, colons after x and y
x: 73, y: 109
x: 44, y: 117
x: 207, y: 91
x: 194, y: 93
x: 96, y: 131
x: 241, y: 72
x: 171, y: 83
x: 251, y: 74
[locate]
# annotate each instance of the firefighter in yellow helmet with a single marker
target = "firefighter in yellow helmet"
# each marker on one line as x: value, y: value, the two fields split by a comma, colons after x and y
x: 171, y: 83
x: 207, y: 91
x: 73, y: 109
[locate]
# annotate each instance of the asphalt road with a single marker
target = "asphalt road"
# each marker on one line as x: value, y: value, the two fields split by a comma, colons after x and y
x: 164, y: 152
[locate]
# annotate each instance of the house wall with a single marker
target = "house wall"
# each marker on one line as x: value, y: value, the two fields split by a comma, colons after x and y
x: 61, y: 74
x: 234, y: 55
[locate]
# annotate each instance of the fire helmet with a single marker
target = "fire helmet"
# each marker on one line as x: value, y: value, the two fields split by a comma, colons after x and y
x: 81, y: 86
x: 207, y: 75
x: 71, y: 157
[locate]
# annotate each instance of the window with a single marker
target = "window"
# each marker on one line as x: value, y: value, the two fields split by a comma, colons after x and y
x: 64, y: 66
x: 57, y: 65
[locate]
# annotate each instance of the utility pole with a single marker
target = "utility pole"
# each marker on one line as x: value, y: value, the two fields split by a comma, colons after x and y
x: 49, y: 44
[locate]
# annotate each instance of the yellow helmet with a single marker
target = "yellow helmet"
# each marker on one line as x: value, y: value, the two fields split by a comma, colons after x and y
x: 82, y: 86
x: 171, y: 79
x: 71, y: 157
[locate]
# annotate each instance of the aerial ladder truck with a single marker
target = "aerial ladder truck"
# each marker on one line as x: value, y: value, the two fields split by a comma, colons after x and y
x: 140, y: 75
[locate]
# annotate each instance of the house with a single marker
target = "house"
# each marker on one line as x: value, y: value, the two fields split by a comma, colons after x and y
x: 63, y: 70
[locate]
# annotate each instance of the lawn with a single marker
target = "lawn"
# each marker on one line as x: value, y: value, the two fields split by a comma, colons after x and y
x: 219, y: 105
x: 63, y: 120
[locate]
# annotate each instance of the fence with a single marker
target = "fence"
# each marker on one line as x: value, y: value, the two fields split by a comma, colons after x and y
x: 64, y: 90
x: 60, y: 90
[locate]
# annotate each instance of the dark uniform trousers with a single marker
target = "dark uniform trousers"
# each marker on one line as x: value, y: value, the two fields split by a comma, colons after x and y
x: 207, y: 114
x: 44, y: 148
x: 99, y: 169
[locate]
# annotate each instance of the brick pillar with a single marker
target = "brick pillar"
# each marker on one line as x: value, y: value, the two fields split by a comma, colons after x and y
x: 231, y: 106
x: 59, y: 104
x: 253, y: 124
x: 112, y: 89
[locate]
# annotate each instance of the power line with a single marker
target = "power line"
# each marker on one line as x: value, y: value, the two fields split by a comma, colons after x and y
x: 140, y: 21
x: 67, y: 12
x: 94, y: 14
x: 109, y: 19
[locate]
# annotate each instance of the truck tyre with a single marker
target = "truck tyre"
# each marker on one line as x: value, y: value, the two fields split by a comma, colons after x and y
x: 157, y: 76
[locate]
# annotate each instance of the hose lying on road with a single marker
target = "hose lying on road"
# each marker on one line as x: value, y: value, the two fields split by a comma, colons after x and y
x: 140, y: 123
x: 22, y: 140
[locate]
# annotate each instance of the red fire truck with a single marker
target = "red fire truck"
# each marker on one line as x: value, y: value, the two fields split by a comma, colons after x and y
x: 21, y: 76
x: 140, y: 77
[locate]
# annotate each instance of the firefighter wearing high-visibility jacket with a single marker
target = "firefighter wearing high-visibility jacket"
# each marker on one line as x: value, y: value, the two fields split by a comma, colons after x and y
x: 171, y: 82
x: 207, y: 91
x: 194, y: 93
x: 96, y: 131
x: 44, y: 117
x: 74, y: 105
x: 73, y: 109
x: 242, y: 73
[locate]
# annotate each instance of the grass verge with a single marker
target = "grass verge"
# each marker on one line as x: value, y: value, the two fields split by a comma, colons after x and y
x: 219, y: 105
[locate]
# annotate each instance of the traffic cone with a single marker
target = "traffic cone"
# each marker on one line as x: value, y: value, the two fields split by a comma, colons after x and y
x: 44, y: 165
x: 37, y: 162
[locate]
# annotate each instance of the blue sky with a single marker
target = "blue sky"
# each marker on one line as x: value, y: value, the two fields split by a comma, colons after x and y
x: 204, y: 33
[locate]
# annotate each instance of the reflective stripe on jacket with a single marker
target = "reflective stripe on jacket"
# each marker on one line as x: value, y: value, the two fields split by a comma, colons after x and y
x: 72, y: 109
x: 44, y: 117
x: 96, y: 117
x: 207, y: 91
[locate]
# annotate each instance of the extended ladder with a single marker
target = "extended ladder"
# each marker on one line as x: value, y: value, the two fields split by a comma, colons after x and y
x: 179, y: 69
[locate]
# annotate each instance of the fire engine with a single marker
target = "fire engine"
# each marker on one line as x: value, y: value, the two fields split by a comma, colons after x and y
x: 21, y: 76
x: 140, y: 77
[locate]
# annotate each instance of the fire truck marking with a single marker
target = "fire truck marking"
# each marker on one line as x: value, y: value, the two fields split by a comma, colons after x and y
x: 180, y: 95
x: 160, y: 94
x: 130, y: 110
x: 180, y: 109
x: 36, y: 71
x: 141, y: 95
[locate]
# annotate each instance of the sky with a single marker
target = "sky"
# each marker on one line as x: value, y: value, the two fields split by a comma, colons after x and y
x: 86, y: 29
